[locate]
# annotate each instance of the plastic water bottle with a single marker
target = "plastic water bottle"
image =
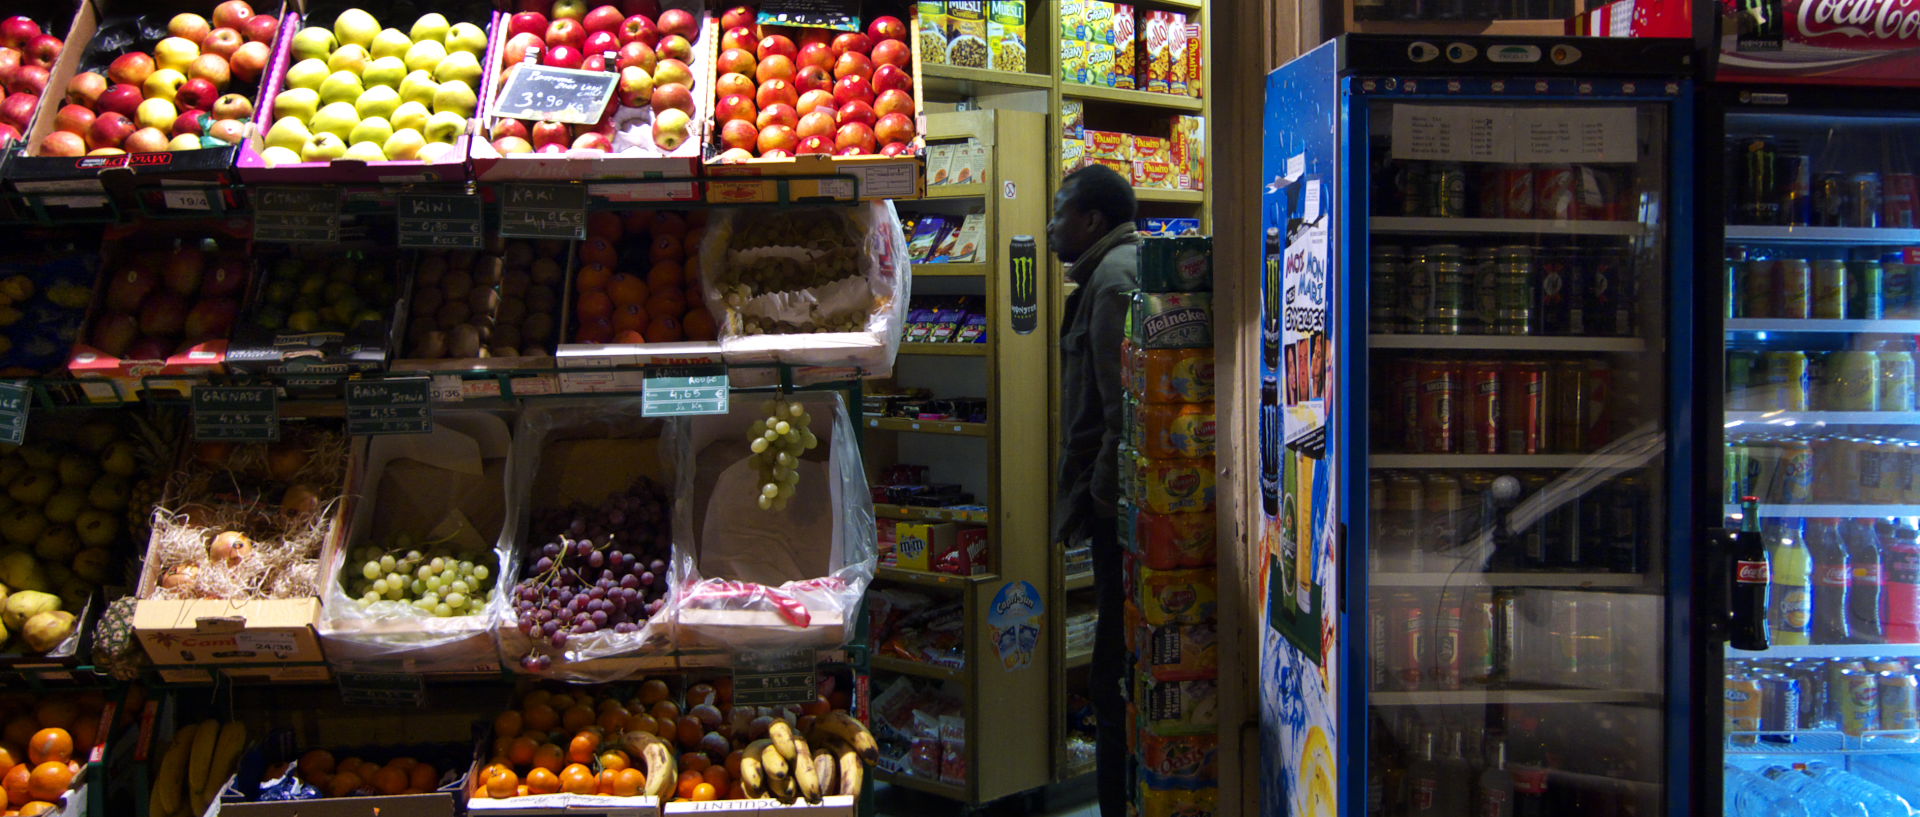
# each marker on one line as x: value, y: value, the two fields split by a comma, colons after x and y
x: 1750, y: 795
x: 1814, y: 795
x: 1880, y: 801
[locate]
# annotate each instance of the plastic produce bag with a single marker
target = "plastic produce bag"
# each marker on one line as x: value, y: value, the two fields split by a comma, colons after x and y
x: 792, y: 299
x: 571, y: 458
x: 747, y: 579
x: 447, y: 484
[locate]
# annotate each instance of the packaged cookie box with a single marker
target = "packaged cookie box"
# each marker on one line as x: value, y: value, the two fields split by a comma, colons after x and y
x: 1126, y: 47
x: 1171, y: 320
x: 1073, y: 61
x: 1185, y: 596
x: 1178, y: 52
x: 1178, y: 652
x: 1097, y: 21
x: 1106, y: 144
x: 1167, y: 375
x: 1073, y: 155
x: 1166, y: 486
x: 1170, y: 430
x: 1182, y: 264
x: 1156, y: 51
x: 1168, y: 541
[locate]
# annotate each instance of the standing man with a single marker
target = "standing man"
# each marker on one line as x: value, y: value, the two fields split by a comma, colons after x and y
x: 1092, y: 232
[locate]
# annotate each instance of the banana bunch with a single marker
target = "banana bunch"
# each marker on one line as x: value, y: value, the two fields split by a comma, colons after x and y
x: 662, y: 771
x: 789, y: 767
x: 195, y: 767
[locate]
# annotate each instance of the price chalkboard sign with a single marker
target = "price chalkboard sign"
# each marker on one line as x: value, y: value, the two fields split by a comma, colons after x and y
x: 14, y: 401
x: 439, y: 222
x: 382, y: 689
x: 681, y: 392
x: 399, y: 405
x: 544, y: 211
x: 296, y: 214
x: 544, y: 93
x: 236, y: 413
x: 837, y: 14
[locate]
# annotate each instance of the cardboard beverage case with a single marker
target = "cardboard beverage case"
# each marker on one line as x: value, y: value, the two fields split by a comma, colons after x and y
x: 1178, y: 652
x: 1183, y: 264
x: 1171, y: 320
x: 1170, y: 430
x: 450, y: 166
x: 1164, y: 485
x: 1167, y: 375
x: 1168, y: 541
x: 1186, y: 596
x: 172, y: 181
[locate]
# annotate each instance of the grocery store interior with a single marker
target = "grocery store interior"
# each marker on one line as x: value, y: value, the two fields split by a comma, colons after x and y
x: 836, y: 408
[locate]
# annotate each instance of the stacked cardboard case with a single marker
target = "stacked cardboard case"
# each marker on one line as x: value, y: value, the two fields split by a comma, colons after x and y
x: 1167, y: 527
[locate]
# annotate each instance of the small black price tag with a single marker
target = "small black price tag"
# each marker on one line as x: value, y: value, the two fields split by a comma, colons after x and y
x: 775, y: 678
x: 296, y: 214
x: 544, y: 211
x: 684, y: 391
x: 15, y: 399
x: 545, y: 93
x: 399, y: 405
x: 382, y: 689
x: 236, y: 413
x: 439, y: 222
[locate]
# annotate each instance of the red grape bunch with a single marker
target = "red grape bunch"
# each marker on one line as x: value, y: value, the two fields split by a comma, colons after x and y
x: 604, y: 569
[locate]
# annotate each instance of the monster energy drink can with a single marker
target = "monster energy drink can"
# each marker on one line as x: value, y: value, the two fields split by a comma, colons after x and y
x: 1023, y: 267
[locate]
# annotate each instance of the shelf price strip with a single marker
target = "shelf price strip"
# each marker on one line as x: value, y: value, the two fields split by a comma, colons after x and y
x: 236, y: 413
x: 400, y: 405
x: 297, y: 214
x: 439, y: 222
x: 382, y: 689
x: 544, y: 211
x: 13, y: 412
x: 683, y: 392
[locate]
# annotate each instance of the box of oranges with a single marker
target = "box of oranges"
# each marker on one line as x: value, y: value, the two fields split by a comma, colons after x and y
x: 635, y: 300
x: 276, y: 778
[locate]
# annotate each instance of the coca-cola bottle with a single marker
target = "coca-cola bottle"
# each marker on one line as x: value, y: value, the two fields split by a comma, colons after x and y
x: 1864, y: 586
x: 1831, y: 580
x: 1901, y: 582
x: 1747, y: 616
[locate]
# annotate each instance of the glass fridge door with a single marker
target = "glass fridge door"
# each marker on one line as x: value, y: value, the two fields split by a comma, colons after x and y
x: 1823, y: 431
x: 1517, y: 455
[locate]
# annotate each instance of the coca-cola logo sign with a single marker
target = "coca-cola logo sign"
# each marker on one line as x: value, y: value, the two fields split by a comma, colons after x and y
x: 1869, y: 23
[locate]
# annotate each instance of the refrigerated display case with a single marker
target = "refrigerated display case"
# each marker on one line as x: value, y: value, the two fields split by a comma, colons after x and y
x: 1501, y: 411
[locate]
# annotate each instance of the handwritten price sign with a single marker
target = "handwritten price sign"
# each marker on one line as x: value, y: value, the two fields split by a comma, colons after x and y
x: 543, y: 93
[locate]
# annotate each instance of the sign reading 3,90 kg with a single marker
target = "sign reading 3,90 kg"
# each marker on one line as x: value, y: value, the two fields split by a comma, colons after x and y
x: 543, y: 93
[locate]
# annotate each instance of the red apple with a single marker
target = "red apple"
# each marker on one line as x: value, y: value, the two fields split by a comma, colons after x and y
x: 519, y: 45
x: 813, y: 78
x: 601, y: 42
x: 729, y: 84
x: 196, y: 94
x: 852, y: 42
x: 809, y: 36
x: 183, y: 268
x: 777, y: 153
x: 734, y: 156
x: 566, y: 32
x: 504, y: 127
x: 776, y: 90
x: 509, y: 145
x: 131, y: 68
x: 894, y: 128
x: 17, y: 31
x: 109, y: 130
x: 856, y: 111
x: 250, y: 61
x: 9, y: 60
x: 230, y: 131
x: 563, y: 56
x: 739, y: 16
x: 779, y: 113
x: 74, y: 118
x: 210, y: 319
x: 672, y: 72
x: 820, y: 54
x: 777, y: 45
x: 164, y: 313
x: 527, y: 22
x: 552, y: 147
x: 639, y: 28
x: 673, y: 95
x: 593, y: 141
x: 17, y: 110
x: 603, y: 18
x: 113, y: 332
x: 777, y: 137
x: 222, y: 41
x: 853, y: 64
x: 891, y: 78
x: 855, y: 134
x: 228, y: 277
x: 674, y: 46
x: 146, y: 140
x: 885, y: 28
x: 191, y: 122
x: 122, y: 99
x: 189, y: 26
x: 734, y: 107
x: 130, y: 286
x: 260, y: 28
x: 42, y: 51
x: 852, y: 87
x: 232, y: 106
x: 736, y: 61
x: 150, y: 348
x: 852, y: 150
x: 676, y: 21
x: 232, y: 14
x: 894, y: 102
x: 741, y: 37
x: 815, y: 99
x: 29, y: 79
x: 817, y: 123
x: 817, y: 143
x: 636, y: 55
x: 896, y: 149
x: 739, y: 133
x: 774, y: 67
x: 892, y: 52
x: 547, y: 133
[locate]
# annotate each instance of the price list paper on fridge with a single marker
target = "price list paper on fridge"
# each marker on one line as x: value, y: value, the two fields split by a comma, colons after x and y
x: 1561, y: 135
x: 1452, y: 133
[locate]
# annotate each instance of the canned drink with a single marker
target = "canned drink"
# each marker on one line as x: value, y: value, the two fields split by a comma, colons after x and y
x: 1858, y: 694
x: 1898, y: 276
x: 1569, y: 406
x: 1380, y: 674
x: 1414, y: 191
x: 1866, y: 293
x: 1831, y: 684
x: 1554, y: 271
x: 1746, y: 376
x: 1625, y: 522
x: 1445, y: 673
x: 1513, y: 292
x: 1405, y: 394
x: 1757, y: 288
x: 1881, y: 663
x: 1553, y: 192
x: 1383, y: 281
x: 1416, y: 293
x: 1449, y: 313
x: 1852, y: 382
x: 1872, y: 483
x: 1897, y: 692
x: 1407, y: 653
x: 1439, y: 409
x: 1484, y: 431
x: 1596, y: 416
x: 1779, y: 707
x: 1598, y: 193
x: 1405, y: 514
x: 1830, y: 293
x: 1813, y: 693
x: 1833, y: 478
x: 1525, y: 414
x: 1517, y: 186
x: 1479, y: 631
x: 1796, y: 189
x: 1449, y: 183
x: 1900, y: 201
x: 1484, y: 289
x: 1907, y: 477
x: 1610, y: 295
x: 1863, y: 199
x: 1736, y: 474
x: 1896, y: 380
x: 1796, y: 472
x: 1830, y: 207
x: 1445, y: 504
x: 1787, y: 382
x: 1490, y: 192
x: 1742, y: 705
x: 1506, y: 634
x: 1759, y: 185
x: 1793, y: 280
x: 1765, y: 472
x: 1533, y: 539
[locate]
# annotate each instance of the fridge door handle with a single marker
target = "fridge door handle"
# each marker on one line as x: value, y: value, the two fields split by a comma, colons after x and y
x: 1716, y: 604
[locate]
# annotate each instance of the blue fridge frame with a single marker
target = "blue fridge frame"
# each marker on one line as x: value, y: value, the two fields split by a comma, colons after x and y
x: 1327, y: 92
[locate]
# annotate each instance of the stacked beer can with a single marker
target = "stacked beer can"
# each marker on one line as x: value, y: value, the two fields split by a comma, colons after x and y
x: 1167, y: 528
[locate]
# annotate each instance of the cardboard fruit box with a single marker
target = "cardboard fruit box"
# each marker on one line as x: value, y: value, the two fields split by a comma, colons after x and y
x: 635, y: 155
x: 448, y: 166
x: 279, y: 334
x: 526, y: 279
x: 178, y: 181
x: 241, y: 796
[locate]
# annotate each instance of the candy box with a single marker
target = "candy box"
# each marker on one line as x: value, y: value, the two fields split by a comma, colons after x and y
x: 965, y: 555
x: 932, y: 31
x: 1178, y: 707
x: 1166, y: 486
x: 974, y: 330
x: 1186, y: 596
x: 1168, y: 541
x: 1178, y: 652
x: 1170, y: 430
x: 1176, y: 320
x: 1098, y: 21
x: 1073, y: 119
x: 1171, y: 761
x: 1183, y: 264
x: 926, y: 236
x: 1073, y: 21
x: 914, y: 543
x: 1073, y: 61
x: 1073, y: 155
x: 1167, y: 375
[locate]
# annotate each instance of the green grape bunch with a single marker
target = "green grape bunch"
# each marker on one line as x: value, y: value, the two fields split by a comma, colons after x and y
x: 434, y: 578
x: 777, y: 442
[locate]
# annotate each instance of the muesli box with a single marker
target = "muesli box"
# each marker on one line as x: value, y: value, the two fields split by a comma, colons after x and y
x: 932, y: 31
x: 1007, y: 35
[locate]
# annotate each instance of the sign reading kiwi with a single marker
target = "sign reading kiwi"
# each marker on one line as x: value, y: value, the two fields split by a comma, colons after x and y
x: 296, y: 214
x: 395, y: 405
x: 841, y: 15
x: 544, y: 93
x: 544, y: 211
x: 439, y: 222
x: 1023, y: 265
x: 236, y: 413
x: 14, y: 402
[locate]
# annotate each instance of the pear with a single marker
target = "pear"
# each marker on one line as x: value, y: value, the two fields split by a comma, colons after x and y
x: 20, y: 571
x: 458, y: 65
x: 118, y: 459
x: 454, y: 96
x: 47, y: 630
x: 378, y: 101
x: 289, y: 133
x: 66, y: 505
x: 356, y: 27
x: 296, y: 103
x: 33, y: 487
x: 323, y: 147
x: 341, y: 86
x: 98, y: 528
x: 38, y: 456
x: 390, y: 42
x: 373, y: 129
x: 425, y: 54
x: 337, y: 119
x: 25, y: 605
x: 308, y: 74
x: 11, y: 466
x: 404, y: 145
x: 410, y: 115
x: 365, y: 152
x: 386, y: 71
x: 57, y: 545
x: 78, y: 469
x: 430, y: 27
x: 352, y: 59
x: 418, y: 86
x: 109, y: 493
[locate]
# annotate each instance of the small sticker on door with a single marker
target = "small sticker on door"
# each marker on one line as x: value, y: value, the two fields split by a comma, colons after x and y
x: 1422, y: 51
x: 1514, y: 53
x: 1461, y: 52
x: 1008, y: 190
x: 1565, y: 55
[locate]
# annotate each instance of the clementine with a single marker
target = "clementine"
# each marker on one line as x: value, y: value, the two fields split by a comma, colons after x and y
x: 578, y: 779
x: 542, y: 781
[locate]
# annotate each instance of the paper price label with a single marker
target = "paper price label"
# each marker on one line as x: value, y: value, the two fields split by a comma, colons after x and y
x: 401, y: 405
x: 673, y: 394
x: 296, y: 214
x: 437, y: 222
x: 185, y: 199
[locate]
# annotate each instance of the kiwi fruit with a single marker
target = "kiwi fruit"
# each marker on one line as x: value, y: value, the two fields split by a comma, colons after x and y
x: 511, y: 310
x: 432, y: 345
x: 514, y: 283
x: 463, y: 341
x: 538, y: 328
x: 454, y: 314
x: 456, y: 284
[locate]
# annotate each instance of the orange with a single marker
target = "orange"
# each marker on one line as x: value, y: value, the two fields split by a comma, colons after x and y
x: 698, y: 325
x: 653, y: 691
x: 50, y: 744
x: 629, y: 336
x: 688, y: 728
x: 591, y: 277
x: 509, y: 724
x: 604, y: 783
x: 560, y: 702
x: 343, y: 784
x: 86, y: 733
x: 542, y: 781
x: 665, y: 274
x: 423, y: 777
x: 502, y: 745
x: 593, y: 304
x: 612, y: 720
x: 704, y: 791
x: 638, y: 221
x: 19, y: 731
x: 583, y: 747
x: 688, y: 780
x: 577, y: 718
x: 629, y: 318
x: 503, y: 783
x: 15, y: 782
x: 642, y: 722
x: 717, y: 776
x: 629, y: 782
x: 521, y: 752
x: 696, y: 762
x: 598, y: 251
x: 669, y: 223
x: 403, y: 763
x: 38, y: 807
x: 578, y: 779
x: 604, y: 225
x: 351, y: 764
x: 393, y: 780
x: 627, y: 288
x: 664, y: 330
x: 56, y: 712
x: 550, y: 757
x: 541, y: 716
x: 595, y: 330
x: 665, y: 247
x: 615, y: 759
x: 538, y: 696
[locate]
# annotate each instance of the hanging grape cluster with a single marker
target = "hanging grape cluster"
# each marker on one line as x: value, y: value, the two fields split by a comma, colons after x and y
x: 777, y: 441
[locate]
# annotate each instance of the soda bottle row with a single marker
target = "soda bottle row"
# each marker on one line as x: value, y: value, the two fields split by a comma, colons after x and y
x: 1443, y: 406
x: 1825, y: 469
x: 1768, y: 701
x: 1869, y: 285
x: 1809, y: 789
x: 1425, y: 522
x: 1877, y: 379
x: 1548, y: 192
x: 1834, y: 581
x: 1776, y: 182
x: 1477, y: 637
x: 1509, y: 289
x: 1509, y: 762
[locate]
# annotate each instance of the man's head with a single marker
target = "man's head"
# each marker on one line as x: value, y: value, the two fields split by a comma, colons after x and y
x: 1092, y: 201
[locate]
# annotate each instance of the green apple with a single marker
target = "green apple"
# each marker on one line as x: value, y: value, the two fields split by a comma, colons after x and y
x: 454, y: 96
x: 435, y: 151
x: 276, y: 156
x: 425, y: 54
x: 373, y: 129
x: 366, y: 152
x: 351, y: 58
x: 156, y: 113
x: 390, y: 42
x: 338, y: 119
x: 313, y: 43
x: 466, y: 37
x: 377, y: 101
x: 419, y: 87
x: 404, y: 145
x: 459, y: 65
x: 386, y: 71
x: 290, y: 133
x: 429, y: 27
x: 308, y: 74
x: 296, y: 103
x: 445, y: 126
x: 409, y: 115
x: 341, y: 86
x: 323, y: 147
x: 356, y: 27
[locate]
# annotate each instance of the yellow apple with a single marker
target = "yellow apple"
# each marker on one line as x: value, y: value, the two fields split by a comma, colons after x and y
x: 323, y: 147
x: 466, y: 37
x: 280, y: 155
x: 410, y: 115
x: 289, y: 133
x: 445, y: 126
x: 429, y: 27
x: 355, y: 27
x: 163, y: 84
x: 366, y: 152
x: 340, y: 86
x: 419, y: 87
x: 313, y: 43
x: 374, y: 129
x: 390, y: 42
x: 377, y: 101
x: 175, y: 52
x: 425, y: 54
x: 297, y: 103
x: 338, y: 119
x: 350, y: 58
x: 386, y: 71
x: 156, y: 113
x: 307, y: 74
x: 404, y: 145
x: 454, y: 96
x: 461, y: 66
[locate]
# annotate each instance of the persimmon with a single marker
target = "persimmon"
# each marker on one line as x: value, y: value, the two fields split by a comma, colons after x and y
x: 520, y: 753
x: 628, y: 318
x: 605, y: 225
x: 665, y: 711
x: 538, y: 696
x: 628, y: 289
x: 698, y: 325
x: 663, y: 329
x: 393, y: 780
x: 604, y: 783
x: 591, y: 278
x: 423, y: 777
x: 664, y: 274
x: 653, y: 691
x: 642, y: 722
x: 688, y: 779
x: 598, y: 251
x: 50, y: 744
x: 509, y: 724
x: 615, y: 759
x: 629, y: 336
x: 628, y: 782
x: 717, y: 776
x: 541, y: 716
x: 612, y: 720
x: 55, y: 712
x: 15, y: 783
x: 704, y: 791
x: 594, y: 303
x: 343, y: 784
x: 665, y: 247
x: 503, y: 783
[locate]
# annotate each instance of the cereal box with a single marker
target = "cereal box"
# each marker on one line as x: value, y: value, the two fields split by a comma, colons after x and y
x: 1073, y: 155
x: 1168, y: 541
x: 973, y: 233
x: 932, y: 31
x: 1179, y: 652
x: 1073, y: 119
x: 1100, y: 64
x: 1125, y: 46
x: 1170, y: 430
x: 914, y: 542
x: 1192, y: 59
x: 1073, y: 20
x: 1099, y: 21
x: 1188, y: 596
x: 1167, y: 486
x: 967, y: 33
x: 1179, y: 707
x: 1007, y: 35
x: 1073, y: 61
x: 1154, y: 52
x: 1176, y: 264
x: 1167, y: 375
x: 1176, y: 53
x: 1171, y: 320
x: 1106, y: 144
